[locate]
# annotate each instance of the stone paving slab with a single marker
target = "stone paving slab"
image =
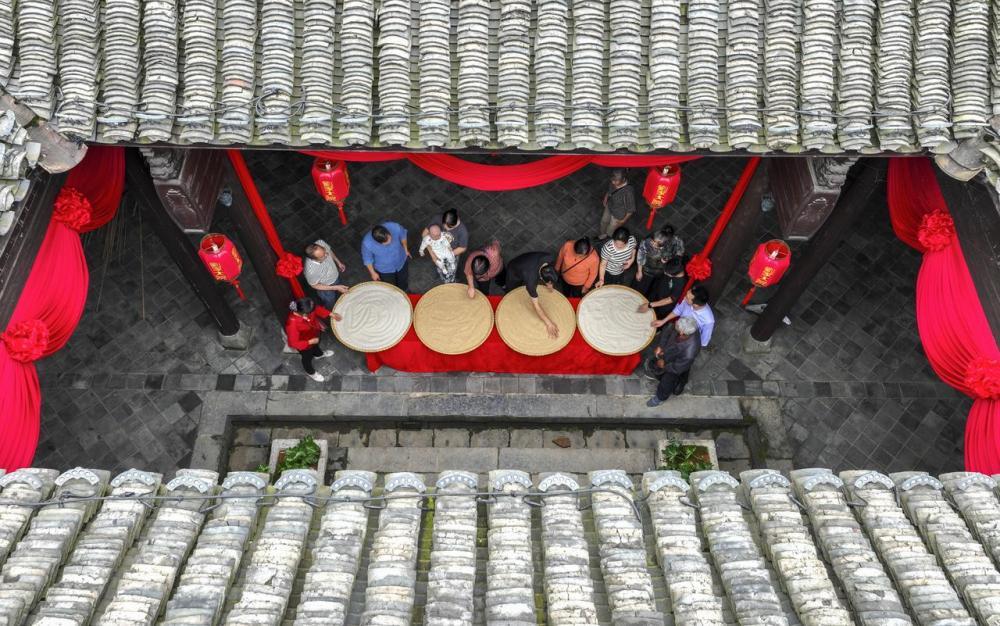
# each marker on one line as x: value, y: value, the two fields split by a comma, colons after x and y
x: 477, y: 460
x: 533, y: 460
x: 850, y: 376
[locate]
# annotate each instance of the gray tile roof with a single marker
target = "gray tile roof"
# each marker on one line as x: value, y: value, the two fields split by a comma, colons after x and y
x: 813, y: 548
x: 637, y: 75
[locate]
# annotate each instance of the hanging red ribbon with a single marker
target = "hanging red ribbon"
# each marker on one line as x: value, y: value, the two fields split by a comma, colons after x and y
x: 700, y: 266
x: 260, y: 210
x: 953, y: 328
x: 501, y: 177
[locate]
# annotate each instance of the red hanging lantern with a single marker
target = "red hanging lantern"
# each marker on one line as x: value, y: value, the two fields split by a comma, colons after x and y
x: 222, y: 259
x: 332, y: 183
x: 769, y: 263
x: 661, y: 188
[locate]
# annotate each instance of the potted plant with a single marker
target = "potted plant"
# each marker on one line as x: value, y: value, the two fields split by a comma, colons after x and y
x: 305, y: 453
x: 687, y: 456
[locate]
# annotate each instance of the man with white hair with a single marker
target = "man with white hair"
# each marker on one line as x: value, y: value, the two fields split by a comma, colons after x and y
x: 672, y: 359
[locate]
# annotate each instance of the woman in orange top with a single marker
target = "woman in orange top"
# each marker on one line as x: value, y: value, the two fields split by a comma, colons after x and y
x: 577, y: 264
x: 303, y: 328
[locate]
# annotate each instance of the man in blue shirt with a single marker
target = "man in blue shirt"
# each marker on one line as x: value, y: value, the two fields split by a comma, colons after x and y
x: 695, y: 305
x: 386, y: 255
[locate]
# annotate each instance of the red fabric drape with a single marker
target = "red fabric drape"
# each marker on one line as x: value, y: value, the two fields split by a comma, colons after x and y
x: 953, y: 328
x: 100, y: 177
x: 501, y: 177
x: 289, y: 265
x: 409, y: 355
x: 51, y: 304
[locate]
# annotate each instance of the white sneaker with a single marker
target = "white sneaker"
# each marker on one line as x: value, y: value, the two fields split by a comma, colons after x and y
x: 317, y: 377
x: 325, y: 354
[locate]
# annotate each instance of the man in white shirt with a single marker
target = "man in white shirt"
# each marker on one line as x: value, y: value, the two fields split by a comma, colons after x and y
x: 695, y: 304
x: 322, y: 270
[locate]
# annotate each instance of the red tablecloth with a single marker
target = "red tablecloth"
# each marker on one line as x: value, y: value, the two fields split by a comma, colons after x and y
x: 409, y: 355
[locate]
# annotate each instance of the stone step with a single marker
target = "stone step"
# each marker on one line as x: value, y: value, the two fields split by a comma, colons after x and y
x: 554, y: 408
x: 481, y: 460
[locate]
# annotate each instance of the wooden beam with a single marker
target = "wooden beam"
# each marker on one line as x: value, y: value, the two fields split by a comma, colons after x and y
x: 869, y: 176
x: 973, y: 206
x: 179, y: 247
x: 256, y: 246
x: 21, y: 244
x: 739, y: 233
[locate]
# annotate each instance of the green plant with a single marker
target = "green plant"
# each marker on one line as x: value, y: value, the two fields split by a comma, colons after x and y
x: 303, y: 455
x: 685, y: 458
x: 263, y: 468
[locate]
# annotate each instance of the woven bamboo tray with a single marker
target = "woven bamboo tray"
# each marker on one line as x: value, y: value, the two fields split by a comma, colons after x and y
x: 447, y: 321
x: 376, y: 316
x: 519, y: 327
x: 609, y: 321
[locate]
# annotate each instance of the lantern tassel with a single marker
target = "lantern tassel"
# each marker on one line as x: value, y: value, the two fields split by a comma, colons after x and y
x: 746, y: 298
x: 343, y: 216
x: 239, y: 290
x: 649, y: 220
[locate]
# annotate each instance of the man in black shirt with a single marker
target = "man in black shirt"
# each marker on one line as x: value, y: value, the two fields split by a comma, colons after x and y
x: 666, y: 291
x: 528, y: 270
x: 673, y: 358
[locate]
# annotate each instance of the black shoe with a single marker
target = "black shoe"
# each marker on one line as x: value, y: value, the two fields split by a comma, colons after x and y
x: 678, y: 390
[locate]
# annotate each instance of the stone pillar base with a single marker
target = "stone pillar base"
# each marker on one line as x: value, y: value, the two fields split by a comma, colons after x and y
x: 752, y: 346
x: 238, y: 341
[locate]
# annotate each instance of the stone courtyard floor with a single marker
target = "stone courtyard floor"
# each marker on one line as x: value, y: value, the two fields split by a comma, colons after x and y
x: 849, y: 376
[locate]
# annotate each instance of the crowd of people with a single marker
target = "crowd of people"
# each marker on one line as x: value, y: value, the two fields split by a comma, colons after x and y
x: 654, y: 266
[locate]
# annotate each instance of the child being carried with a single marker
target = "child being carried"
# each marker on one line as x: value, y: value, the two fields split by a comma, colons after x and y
x: 438, y: 243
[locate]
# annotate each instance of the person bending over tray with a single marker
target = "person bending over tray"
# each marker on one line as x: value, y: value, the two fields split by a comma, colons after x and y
x: 694, y: 305
x: 530, y: 269
x: 386, y: 255
x: 578, y: 265
x: 483, y: 266
x: 439, y: 245
x: 617, y: 255
x: 666, y: 291
x: 304, y: 327
x: 671, y: 363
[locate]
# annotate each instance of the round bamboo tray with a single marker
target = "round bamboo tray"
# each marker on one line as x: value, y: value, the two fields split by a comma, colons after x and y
x: 447, y: 321
x: 521, y: 329
x: 376, y: 316
x: 610, y: 323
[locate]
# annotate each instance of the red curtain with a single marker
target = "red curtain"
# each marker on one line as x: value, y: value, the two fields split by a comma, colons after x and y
x: 51, y: 304
x: 501, y: 177
x: 953, y: 328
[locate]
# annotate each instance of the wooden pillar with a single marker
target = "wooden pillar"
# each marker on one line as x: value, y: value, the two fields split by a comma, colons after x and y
x: 256, y: 247
x: 852, y: 202
x: 739, y: 233
x: 17, y: 255
x: 183, y: 253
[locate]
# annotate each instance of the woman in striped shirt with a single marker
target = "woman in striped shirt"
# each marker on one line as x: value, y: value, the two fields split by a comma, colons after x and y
x: 617, y: 255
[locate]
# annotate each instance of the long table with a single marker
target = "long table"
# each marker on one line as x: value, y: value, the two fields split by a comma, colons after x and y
x: 409, y: 355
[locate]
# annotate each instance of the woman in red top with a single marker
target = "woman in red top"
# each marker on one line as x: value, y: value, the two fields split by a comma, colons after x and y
x: 304, y: 328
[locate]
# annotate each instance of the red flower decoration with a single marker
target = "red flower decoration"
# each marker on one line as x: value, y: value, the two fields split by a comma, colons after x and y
x: 936, y: 231
x: 26, y: 341
x: 699, y: 267
x: 982, y: 377
x: 289, y: 266
x: 72, y: 208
